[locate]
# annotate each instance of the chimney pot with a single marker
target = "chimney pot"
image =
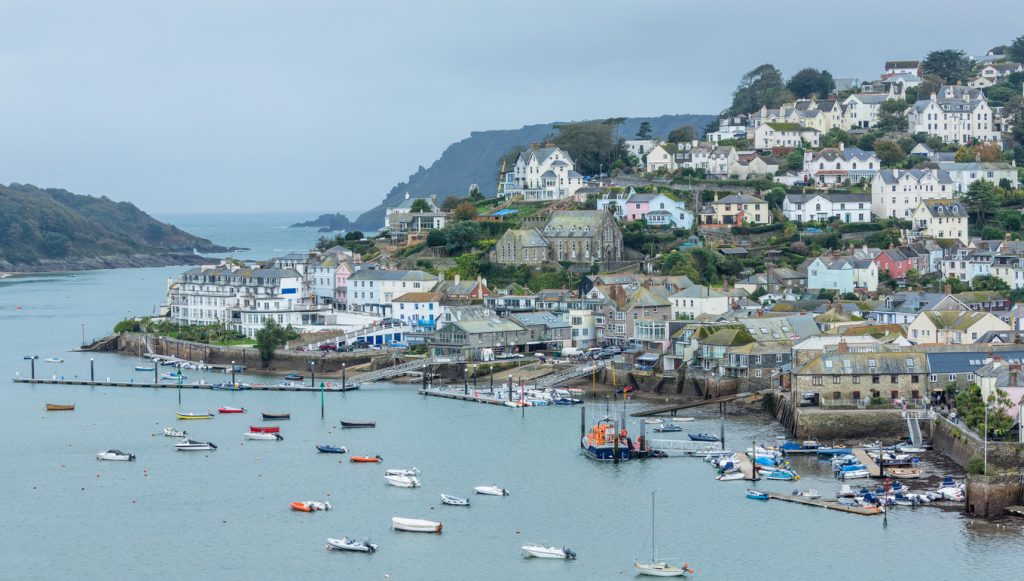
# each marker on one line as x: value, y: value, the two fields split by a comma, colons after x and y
x: 842, y: 347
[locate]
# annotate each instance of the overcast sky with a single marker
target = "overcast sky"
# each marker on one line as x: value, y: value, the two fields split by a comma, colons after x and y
x: 253, y: 105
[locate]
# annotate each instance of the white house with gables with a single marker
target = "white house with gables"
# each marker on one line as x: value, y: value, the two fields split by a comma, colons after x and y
x: 834, y: 166
x: 772, y: 135
x: 849, y: 208
x: 542, y: 174
x: 896, y: 193
x: 957, y: 114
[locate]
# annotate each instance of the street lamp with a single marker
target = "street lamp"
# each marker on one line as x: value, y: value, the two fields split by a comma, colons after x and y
x: 509, y: 387
x: 492, y: 379
x: 32, y: 360
x: 465, y: 381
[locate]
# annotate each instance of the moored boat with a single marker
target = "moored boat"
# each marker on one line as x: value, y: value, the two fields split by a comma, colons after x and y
x: 668, y: 428
x: 60, y: 407
x: 310, y: 506
x: 808, y: 493
x: 402, y: 472
x: 730, y: 476
x: 662, y: 569
x: 263, y: 436
x: 491, y: 490
x: 703, y: 437
x: 365, y: 459
x: 187, y: 445
x: 293, y: 377
x: 757, y: 494
x: 781, y: 475
x: 542, y: 552
x: 230, y: 410
x: 348, y: 544
x: 402, y: 481
x: 603, y: 443
x: 454, y: 500
x: 284, y: 416
x: 828, y: 451
x: 115, y: 455
x: 903, y: 472
x: 175, y: 433
x: 54, y: 360
x: 415, y: 525
x: 173, y: 376
x: 193, y: 416
x: 358, y: 424
x: 265, y: 429
x: 328, y: 449
x: 144, y: 368
x: 805, y: 447
x: 910, y: 449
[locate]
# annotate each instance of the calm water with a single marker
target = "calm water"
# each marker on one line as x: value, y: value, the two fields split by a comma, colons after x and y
x: 225, y: 514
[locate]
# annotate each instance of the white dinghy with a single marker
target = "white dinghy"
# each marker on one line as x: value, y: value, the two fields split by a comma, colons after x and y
x: 491, y: 490
x: 348, y: 544
x: 263, y: 436
x: 171, y: 432
x: 415, y: 525
x: 402, y: 481
x: 542, y: 552
x: 454, y: 500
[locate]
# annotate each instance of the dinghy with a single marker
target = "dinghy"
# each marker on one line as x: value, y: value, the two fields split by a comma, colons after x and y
x: 172, y: 376
x: 206, y: 416
x: 115, y: 455
x: 358, y: 424
x: 347, y: 544
x: 402, y: 481
x: 903, y: 472
x: 703, y: 437
x: 60, y: 407
x: 491, y: 490
x: 542, y: 552
x: 228, y: 410
x: 668, y: 428
x: 265, y: 429
x: 175, y: 433
x: 365, y: 459
x: 756, y: 494
x: 144, y: 368
x: 311, y: 506
x: 193, y: 446
x: 328, y: 449
x: 285, y: 416
x: 454, y: 500
x: 263, y: 436
x: 293, y: 377
x: 730, y: 476
x: 910, y: 449
x: 402, y: 472
x: 415, y: 525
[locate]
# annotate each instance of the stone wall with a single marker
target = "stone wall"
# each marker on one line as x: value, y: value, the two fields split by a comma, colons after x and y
x: 988, y: 496
x: 849, y: 425
x: 960, y: 446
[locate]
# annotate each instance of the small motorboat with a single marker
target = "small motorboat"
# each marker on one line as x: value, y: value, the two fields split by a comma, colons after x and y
x: 805, y: 447
x: 191, y: 416
x: 415, y: 525
x: 348, y: 544
x: 808, y: 493
x: 703, y: 437
x: 171, y: 432
x: 781, y: 475
x: 265, y: 429
x: 358, y: 424
x: 668, y: 428
x: 910, y: 449
x: 454, y: 500
x: 54, y: 360
x: 542, y: 552
x: 229, y: 410
x: 681, y: 419
x: 365, y: 459
x: 115, y: 455
x: 491, y: 490
x: 662, y: 569
x: 654, y: 421
x: 402, y: 472
x: 293, y: 377
x: 187, y: 445
x: 60, y: 407
x: 311, y: 506
x: 402, y: 481
x: 263, y: 436
x: 828, y: 451
x: 756, y: 494
x: 730, y: 476
x: 328, y: 449
x: 144, y: 368
x: 267, y: 416
x: 172, y: 376
x: 908, y: 473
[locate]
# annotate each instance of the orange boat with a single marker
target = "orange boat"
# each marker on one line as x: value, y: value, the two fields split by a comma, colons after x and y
x: 365, y: 459
x: 311, y: 506
x: 59, y: 407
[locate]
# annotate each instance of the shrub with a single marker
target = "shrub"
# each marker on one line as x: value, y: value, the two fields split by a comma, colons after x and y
x: 976, y: 465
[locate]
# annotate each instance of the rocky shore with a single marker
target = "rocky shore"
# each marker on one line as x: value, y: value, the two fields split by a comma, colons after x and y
x: 104, y: 262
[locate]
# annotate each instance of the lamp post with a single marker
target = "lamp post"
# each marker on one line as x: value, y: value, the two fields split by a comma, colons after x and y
x: 312, y: 373
x: 92, y: 369
x: 492, y: 380
x: 232, y: 375
x: 465, y: 381
x: 509, y: 387
x: 474, y: 376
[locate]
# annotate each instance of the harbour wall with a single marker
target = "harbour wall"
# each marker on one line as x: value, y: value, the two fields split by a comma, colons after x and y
x: 961, y: 445
x: 849, y: 425
x: 988, y: 496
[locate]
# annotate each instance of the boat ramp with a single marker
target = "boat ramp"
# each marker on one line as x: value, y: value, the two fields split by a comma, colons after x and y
x: 866, y: 511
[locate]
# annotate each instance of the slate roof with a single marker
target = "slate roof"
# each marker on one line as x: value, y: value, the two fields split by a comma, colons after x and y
x: 848, y: 154
x: 954, y: 320
x: 780, y: 328
x: 406, y: 275
x: 431, y: 297
x: 490, y: 325
x: 698, y: 292
x: 740, y: 199
x: 728, y: 338
x: 529, y: 238
x: 884, y: 363
x: 578, y: 220
x: 889, y: 177
x: 966, y: 361
x: 945, y: 209
x: 540, y: 318
x: 831, y: 197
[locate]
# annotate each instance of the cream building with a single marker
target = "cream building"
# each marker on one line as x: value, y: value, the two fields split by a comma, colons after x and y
x: 944, y: 219
x: 953, y: 327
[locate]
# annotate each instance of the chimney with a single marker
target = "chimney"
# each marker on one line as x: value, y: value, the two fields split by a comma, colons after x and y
x: 760, y: 312
x: 534, y: 146
x: 842, y: 347
x: 433, y: 199
x: 842, y: 146
x: 716, y: 196
x: 479, y: 287
x: 406, y: 195
x: 895, y: 174
x: 458, y: 278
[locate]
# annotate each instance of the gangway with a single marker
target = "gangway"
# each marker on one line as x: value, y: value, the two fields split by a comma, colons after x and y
x: 396, y: 370
x: 683, y: 447
x: 566, y: 375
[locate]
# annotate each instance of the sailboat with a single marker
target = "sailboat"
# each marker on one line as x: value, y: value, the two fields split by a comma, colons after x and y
x: 658, y: 568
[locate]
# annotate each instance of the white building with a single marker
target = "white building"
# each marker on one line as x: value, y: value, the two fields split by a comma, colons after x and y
x: 821, y: 207
x: 897, y: 193
x: 729, y: 128
x: 422, y: 310
x: 772, y: 135
x: 834, y: 166
x: 585, y: 330
x: 374, y: 290
x: 862, y: 108
x: 662, y: 157
x: 542, y: 174
x: 842, y: 274
x: 405, y: 207
x: 638, y: 148
x: 698, y: 300
x: 965, y: 174
x: 943, y: 219
x: 957, y: 114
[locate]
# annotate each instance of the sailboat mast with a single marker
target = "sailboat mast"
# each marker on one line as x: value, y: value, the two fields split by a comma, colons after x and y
x: 653, y: 550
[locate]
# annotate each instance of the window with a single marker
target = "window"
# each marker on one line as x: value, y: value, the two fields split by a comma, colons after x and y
x: 933, y: 378
x: 952, y: 377
x: 757, y: 372
x: 856, y: 379
x: 835, y: 379
x: 816, y: 380
x: 894, y: 379
x: 875, y: 379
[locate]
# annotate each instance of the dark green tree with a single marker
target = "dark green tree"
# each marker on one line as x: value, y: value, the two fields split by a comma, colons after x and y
x: 645, y: 130
x: 891, y: 115
x: 988, y: 282
x: 270, y: 337
x: 809, y: 82
x: 951, y: 65
x: 591, y: 144
x: 890, y: 153
x: 762, y: 86
x: 461, y: 237
x: 419, y: 205
x: 1016, y: 49
x: 981, y: 197
x: 684, y: 134
x: 475, y: 194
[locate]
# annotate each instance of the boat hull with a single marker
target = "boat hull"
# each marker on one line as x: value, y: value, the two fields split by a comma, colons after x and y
x: 59, y: 407
x: 659, y: 570
x: 227, y: 410
x: 350, y: 545
x: 331, y: 450
x: 264, y: 429
x: 267, y: 417
x: 415, y: 525
x: 604, y: 453
x: 454, y: 500
x: 195, y: 416
x: 362, y: 424
x: 540, y: 552
x: 365, y: 459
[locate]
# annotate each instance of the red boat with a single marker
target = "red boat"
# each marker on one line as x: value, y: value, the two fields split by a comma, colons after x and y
x: 365, y: 459
x: 265, y: 429
x: 227, y: 410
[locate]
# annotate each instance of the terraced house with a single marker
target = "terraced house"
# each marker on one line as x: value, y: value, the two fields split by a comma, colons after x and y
x: 843, y: 378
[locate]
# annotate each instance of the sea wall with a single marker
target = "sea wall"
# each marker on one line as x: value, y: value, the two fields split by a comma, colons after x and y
x: 849, y: 425
x: 961, y: 445
x: 988, y: 496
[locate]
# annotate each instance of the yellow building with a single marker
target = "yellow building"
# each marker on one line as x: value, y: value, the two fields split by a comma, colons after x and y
x: 736, y: 210
x: 941, y: 219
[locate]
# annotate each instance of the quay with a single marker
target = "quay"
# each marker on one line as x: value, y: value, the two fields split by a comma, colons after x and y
x: 473, y: 395
x: 745, y: 464
x: 210, y: 386
x: 672, y: 408
x: 868, y: 463
x: 825, y: 504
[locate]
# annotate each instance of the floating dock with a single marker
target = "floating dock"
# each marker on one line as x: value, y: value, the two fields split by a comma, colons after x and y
x: 684, y: 447
x: 170, y: 385
x: 826, y: 504
x: 745, y: 465
x: 472, y: 395
x: 868, y: 463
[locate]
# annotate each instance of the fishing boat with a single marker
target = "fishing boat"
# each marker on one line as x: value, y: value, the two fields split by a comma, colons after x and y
x: 542, y: 552
x: 263, y: 436
x: 265, y: 429
x: 191, y: 416
x: 293, y: 377
x: 415, y: 525
x: 60, y: 407
x: 268, y: 417
x: 402, y: 481
x: 328, y: 449
x: 668, y: 428
x: 358, y: 424
x: 187, y: 445
x: 908, y: 473
x: 115, y: 455
x: 53, y: 360
x: 171, y: 432
x: 310, y: 506
x: 805, y: 447
x: 402, y: 472
x: 365, y: 459
x: 347, y: 544
x: 454, y: 500
x: 229, y: 410
x: 703, y: 437
x: 144, y: 368
x: 491, y: 490
x: 603, y: 443
x: 756, y: 494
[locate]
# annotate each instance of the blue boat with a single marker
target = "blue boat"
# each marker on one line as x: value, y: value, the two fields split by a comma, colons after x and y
x: 781, y: 475
x: 327, y: 449
x: 567, y: 401
x: 703, y: 437
x: 601, y: 443
x: 756, y: 494
x: 805, y: 447
x: 827, y: 452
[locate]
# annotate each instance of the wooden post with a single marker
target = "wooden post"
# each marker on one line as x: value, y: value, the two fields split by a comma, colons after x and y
x: 583, y: 423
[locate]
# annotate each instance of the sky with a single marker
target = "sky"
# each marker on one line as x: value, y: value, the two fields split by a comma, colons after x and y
x: 294, y: 105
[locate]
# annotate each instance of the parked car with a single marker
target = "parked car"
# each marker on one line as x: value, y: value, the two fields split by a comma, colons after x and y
x: 360, y: 344
x: 624, y: 389
x: 328, y: 347
x: 613, y: 349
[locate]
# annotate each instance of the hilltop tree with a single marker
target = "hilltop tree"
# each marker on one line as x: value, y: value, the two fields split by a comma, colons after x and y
x: 684, y: 134
x: 419, y: 205
x: 762, y: 86
x: 1016, y: 49
x: 645, y: 131
x: 475, y: 194
x: 809, y: 82
x: 450, y: 203
x: 591, y: 144
x: 891, y: 115
x: 951, y: 65
x: 464, y: 211
x: 979, y: 198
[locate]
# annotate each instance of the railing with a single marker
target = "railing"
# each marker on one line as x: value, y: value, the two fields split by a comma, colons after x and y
x: 684, y: 447
x: 567, y: 375
x: 396, y: 370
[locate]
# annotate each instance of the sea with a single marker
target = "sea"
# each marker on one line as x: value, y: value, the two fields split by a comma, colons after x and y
x: 225, y: 514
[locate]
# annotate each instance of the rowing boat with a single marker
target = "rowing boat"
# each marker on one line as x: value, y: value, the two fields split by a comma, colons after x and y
x: 206, y: 416
x: 60, y: 407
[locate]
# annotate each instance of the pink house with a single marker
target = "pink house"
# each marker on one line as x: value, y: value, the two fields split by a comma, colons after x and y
x: 637, y: 206
x: 894, y: 263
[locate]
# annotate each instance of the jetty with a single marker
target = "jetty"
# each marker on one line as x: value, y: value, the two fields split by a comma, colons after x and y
x: 684, y: 447
x: 745, y: 465
x: 866, y: 511
x: 474, y: 395
x: 868, y: 463
x: 415, y: 366
x: 172, y: 385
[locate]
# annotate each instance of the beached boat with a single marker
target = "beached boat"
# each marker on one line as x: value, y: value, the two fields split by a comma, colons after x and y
x: 285, y: 416
x: 187, y: 445
x: 402, y: 481
x: 542, y: 552
x: 229, y: 410
x: 328, y: 449
x: 603, y: 444
x: 53, y: 360
x: 293, y: 377
x: 402, y: 472
x: 193, y: 416
x: 658, y: 568
x: 491, y: 490
x: 365, y: 459
x: 668, y: 428
x: 144, y: 368
x: 115, y: 455
x: 756, y: 494
x: 358, y: 424
x: 908, y: 473
x: 175, y: 433
x: 910, y: 449
x: 60, y: 407
x: 703, y: 437
x: 263, y: 436
x: 415, y: 525
x: 310, y: 506
x: 809, y: 493
x: 265, y: 429
x: 454, y: 500
x: 348, y: 544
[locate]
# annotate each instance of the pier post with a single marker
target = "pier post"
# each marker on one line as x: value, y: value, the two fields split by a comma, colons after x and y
x: 474, y: 376
x: 509, y: 387
x: 156, y: 371
x: 583, y: 423
x: 92, y: 369
x: 232, y: 374
x: 721, y: 423
x: 343, y: 377
x: 465, y: 381
x: 492, y: 380
x: 33, y: 361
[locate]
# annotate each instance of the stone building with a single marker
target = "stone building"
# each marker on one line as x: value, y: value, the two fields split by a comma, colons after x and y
x: 521, y: 247
x: 843, y: 378
x: 586, y: 236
